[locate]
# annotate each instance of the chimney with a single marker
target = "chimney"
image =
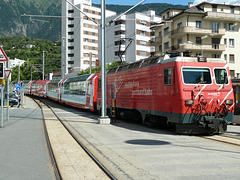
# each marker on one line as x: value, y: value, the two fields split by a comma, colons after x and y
x: 190, y: 4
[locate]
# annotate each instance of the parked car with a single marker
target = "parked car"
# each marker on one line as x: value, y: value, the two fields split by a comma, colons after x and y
x: 13, y: 99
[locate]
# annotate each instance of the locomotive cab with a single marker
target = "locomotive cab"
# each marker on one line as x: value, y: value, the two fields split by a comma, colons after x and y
x: 207, y: 97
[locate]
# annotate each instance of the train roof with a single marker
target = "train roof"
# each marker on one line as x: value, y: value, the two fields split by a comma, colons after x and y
x: 162, y: 60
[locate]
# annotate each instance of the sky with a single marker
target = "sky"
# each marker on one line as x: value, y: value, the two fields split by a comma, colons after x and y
x: 175, y: 2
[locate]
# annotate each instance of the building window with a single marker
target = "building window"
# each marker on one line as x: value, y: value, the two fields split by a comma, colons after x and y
x: 198, y: 24
x: 225, y: 42
x: 70, y: 62
x: 214, y: 7
x: 231, y: 58
x: 93, y: 41
x: 198, y: 40
x: 225, y: 57
x: 142, y: 22
x: 179, y: 25
x: 163, y: 18
x: 70, y: 47
x: 179, y: 42
x: 166, y: 46
x: 215, y: 56
x: 71, y: 55
x: 143, y: 53
x: 143, y: 43
x: 231, y: 42
x: 231, y: 27
x: 143, y: 33
x: 166, y: 31
x: 160, y: 34
x: 232, y: 10
x: 168, y: 76
x: 215, y: 27
x: 168, y: 14
x: 232, y: 73
x: 225, y: 26
x: 160, y: 48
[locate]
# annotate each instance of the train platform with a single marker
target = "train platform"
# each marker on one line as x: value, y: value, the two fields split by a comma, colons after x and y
x: 24, y: 153
x: 128, y: 150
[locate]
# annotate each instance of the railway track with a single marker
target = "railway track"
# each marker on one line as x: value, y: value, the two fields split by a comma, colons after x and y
x: 70, y: 158
x: 224, y: 138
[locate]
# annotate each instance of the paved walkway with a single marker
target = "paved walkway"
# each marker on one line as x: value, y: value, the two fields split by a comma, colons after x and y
x: 23, y: 150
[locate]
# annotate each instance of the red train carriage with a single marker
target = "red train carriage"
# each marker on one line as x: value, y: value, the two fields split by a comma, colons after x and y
x: 53, y: 90
x: 195, y: 96
x: 79, y: 91
x: 39, y: 88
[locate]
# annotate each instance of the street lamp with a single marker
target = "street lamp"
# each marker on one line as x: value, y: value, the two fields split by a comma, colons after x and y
x: 190, y: 42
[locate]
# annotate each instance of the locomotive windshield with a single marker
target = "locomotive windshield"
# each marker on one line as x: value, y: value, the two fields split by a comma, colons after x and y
x: 196, y: 76
x: 221, y: 76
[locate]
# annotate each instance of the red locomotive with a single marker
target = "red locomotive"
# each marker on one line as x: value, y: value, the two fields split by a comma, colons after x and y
x: 193, y: 93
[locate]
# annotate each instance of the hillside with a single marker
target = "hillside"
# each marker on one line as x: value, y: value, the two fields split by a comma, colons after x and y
x: 12, y: 22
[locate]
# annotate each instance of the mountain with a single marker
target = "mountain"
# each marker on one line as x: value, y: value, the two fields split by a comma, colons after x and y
x: 12, y: 21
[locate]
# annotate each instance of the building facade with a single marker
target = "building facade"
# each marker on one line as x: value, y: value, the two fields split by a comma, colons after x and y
x: 79, y: 35
x: 208, y: 30
x: 128, y: 38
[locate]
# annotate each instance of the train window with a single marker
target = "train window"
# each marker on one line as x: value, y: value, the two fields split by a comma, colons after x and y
x: 168, y: 76
x: 196, y: 76
x: 221, y: 76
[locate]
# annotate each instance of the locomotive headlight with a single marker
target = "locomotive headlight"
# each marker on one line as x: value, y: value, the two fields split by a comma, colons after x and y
x: 229, y: 101
x: 189, y: 102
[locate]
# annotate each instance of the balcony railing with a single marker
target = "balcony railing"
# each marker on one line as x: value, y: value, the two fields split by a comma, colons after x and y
x: 197, y: 31
x: 222, y: 16
x: 156, y: 41
x: 204, y: 47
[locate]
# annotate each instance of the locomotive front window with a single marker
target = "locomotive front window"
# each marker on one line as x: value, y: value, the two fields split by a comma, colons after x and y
x: 221, y: 76
x: 196, y: 76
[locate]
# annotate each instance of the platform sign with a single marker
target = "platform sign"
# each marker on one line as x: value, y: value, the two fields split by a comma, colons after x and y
x: 18, y: 86
x: 3, y: 56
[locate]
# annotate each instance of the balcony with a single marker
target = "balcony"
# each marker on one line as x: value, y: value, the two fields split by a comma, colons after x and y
x: 120, y: 27
x: 156, y: 41
x: 196, y: 31
x: 204, y: 47
x: 220, y: 16
x: 122, y: 48
x: 119, y: 36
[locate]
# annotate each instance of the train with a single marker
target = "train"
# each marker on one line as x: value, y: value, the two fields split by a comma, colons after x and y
x: 193, y: 94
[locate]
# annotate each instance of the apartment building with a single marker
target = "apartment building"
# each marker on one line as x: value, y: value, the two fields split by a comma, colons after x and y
x: 79, y: 35
x: 207, y: 29
x: 128, y: 38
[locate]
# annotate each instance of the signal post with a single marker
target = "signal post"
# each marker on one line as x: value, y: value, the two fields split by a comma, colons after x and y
x: 4, y: 74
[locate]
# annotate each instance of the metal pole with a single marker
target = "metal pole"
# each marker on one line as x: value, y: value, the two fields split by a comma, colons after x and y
x: 18, y: 71
x: 8, y: 92
x: 43, y: 65
x: 103, y: 119
x: 1, y: 105
x: 103, y: 19
x: 90, y: 63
